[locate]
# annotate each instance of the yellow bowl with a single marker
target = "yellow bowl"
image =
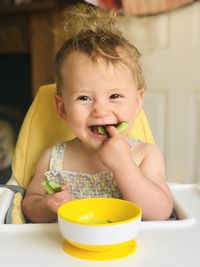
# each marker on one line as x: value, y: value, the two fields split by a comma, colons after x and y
x: 99, y: 224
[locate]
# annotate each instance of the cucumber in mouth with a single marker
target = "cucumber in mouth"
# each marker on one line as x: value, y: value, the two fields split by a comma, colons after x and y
x: 120, y: 128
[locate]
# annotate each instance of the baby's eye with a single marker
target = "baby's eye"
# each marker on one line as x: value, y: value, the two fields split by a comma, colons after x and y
x: 115, y: 96
x: 83, y: 98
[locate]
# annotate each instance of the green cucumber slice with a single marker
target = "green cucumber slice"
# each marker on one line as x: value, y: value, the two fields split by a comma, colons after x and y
x: 55, y: 186
x: 122, y: 126
x: 47, y: 187
x: 101, y: 130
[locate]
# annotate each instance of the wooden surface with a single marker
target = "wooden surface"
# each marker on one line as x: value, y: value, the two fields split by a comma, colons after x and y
x: 35, y: 28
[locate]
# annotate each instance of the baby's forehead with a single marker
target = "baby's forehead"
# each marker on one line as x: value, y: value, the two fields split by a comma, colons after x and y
x: 81, y: 57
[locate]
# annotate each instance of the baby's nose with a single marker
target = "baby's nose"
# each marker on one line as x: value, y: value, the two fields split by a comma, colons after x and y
x: 100, y: 110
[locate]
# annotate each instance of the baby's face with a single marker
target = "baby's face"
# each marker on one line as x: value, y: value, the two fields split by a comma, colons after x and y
x: 98, y: 94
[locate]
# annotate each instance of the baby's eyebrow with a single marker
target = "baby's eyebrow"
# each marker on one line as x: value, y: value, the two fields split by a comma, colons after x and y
x: 117, y: 90
x: 81, y: 92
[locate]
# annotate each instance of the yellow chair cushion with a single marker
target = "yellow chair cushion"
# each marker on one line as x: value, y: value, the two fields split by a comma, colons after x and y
x: 42, y: 127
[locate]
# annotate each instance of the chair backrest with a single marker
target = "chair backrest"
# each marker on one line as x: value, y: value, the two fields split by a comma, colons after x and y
x: 42, y: 127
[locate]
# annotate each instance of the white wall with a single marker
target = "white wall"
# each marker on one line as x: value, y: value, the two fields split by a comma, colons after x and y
x: 170, y: 44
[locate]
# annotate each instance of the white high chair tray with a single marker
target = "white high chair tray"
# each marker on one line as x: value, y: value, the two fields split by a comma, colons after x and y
x: 162, y: 244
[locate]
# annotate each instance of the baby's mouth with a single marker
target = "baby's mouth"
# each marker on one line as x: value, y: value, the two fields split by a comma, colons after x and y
x: 101, y: 129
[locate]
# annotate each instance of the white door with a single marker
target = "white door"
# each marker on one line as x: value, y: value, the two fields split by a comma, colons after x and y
x: 170, y: 46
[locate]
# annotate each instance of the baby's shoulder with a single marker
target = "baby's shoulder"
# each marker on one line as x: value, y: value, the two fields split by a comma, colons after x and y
x: 55, y: 148
x: 55, y: 151
x: 142, y: 150
x: 146, y: 148
x: 46, y: 154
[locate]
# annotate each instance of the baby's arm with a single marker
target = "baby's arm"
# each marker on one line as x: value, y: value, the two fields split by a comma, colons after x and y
x: 37, y: 205
x: 143, y: 183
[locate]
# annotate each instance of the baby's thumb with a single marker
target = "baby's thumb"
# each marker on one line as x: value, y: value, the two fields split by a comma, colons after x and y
x: 65, y: 187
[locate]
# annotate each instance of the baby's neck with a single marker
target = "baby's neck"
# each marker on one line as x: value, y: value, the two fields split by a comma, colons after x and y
x: 78, y: 157
x: 82, y: 148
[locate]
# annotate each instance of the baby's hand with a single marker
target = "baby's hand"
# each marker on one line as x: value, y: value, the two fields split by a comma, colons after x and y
x: 56, y: 199
x: 115, y: 150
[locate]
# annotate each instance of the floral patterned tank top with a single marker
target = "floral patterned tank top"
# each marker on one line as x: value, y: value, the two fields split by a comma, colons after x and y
x: 82, y: 185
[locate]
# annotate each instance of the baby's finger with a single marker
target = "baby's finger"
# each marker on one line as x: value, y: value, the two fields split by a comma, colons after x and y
x: 65, y: 187
x: 112, y: 131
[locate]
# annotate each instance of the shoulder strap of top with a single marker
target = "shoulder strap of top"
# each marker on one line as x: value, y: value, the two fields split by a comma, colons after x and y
x: 132, y: 142
x: 57, y: 156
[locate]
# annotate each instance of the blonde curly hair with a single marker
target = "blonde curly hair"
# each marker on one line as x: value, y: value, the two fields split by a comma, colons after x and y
x: 91, y: 30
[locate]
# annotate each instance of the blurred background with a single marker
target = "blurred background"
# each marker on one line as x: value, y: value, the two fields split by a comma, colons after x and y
x: 167, y: 33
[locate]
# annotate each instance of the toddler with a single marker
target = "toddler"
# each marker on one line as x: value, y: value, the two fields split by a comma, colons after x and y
x: 99, y: 84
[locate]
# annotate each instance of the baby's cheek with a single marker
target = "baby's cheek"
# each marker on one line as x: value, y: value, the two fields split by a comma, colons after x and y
x: 77, y: 119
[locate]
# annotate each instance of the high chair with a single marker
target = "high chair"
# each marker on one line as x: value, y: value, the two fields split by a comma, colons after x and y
x: 42, y: 127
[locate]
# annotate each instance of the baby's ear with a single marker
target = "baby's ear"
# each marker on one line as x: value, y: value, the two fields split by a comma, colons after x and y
x: 139, y: 101
x: 58, y: 100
